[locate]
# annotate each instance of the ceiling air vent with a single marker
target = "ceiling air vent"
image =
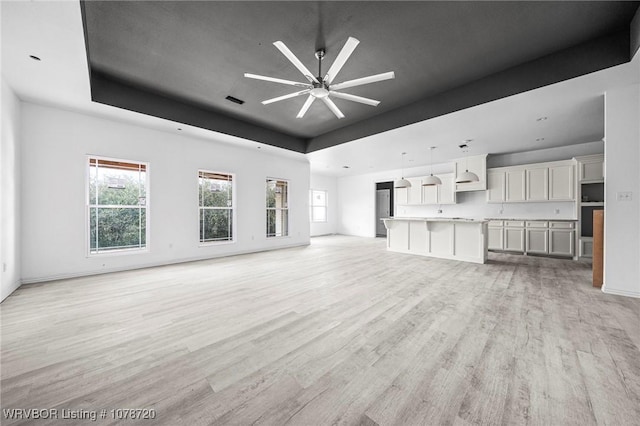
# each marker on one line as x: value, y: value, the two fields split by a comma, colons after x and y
x: 234, y: 100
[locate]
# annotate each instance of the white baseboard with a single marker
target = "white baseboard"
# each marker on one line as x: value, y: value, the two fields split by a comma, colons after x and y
x: 621, y: 292
x: 35, y: 280
x: 13, y: 287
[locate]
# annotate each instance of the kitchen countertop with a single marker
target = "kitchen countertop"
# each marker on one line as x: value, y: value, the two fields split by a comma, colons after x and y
x: 438, y: 219
x: 532, y: 219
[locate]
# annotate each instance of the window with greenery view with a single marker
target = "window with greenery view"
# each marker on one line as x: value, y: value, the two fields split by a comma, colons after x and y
x: 277, y: 208
x: 317, y: 205
x: 216, y: 206
x: 117, y: 205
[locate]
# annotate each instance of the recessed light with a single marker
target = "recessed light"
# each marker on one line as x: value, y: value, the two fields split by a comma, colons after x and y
x: 541, y: 118
x: 346, y: 167
x: 539, y: 139
x: 35, y: 58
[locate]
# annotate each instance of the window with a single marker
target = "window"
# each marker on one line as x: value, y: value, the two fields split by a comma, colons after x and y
x: 317, y: 205
x: 216, y: 206
x: 277, y: 208
x: 117, y: 205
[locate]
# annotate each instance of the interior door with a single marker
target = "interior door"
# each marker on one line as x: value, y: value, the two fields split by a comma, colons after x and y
x: 383, y: 208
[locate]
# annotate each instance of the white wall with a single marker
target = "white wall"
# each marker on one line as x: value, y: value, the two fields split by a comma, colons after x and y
x: 55, y: 145
x: 544, y: 155
x: 329, y: 184
x: 622, y: 165
x: 357, y: 194
x: 357, y: 203
x: 10, y: 196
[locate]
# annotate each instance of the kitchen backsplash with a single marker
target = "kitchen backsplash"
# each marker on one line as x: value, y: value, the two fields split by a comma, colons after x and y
x: 474, y: 205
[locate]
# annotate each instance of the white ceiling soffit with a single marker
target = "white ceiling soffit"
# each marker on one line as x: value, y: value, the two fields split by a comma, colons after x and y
x: 574, y: 111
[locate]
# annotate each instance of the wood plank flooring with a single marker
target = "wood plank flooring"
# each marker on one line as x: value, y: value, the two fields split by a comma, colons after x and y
x: 339, y: 332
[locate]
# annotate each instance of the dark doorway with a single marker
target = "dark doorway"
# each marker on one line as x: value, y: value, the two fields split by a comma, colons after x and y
x: 384, y: 206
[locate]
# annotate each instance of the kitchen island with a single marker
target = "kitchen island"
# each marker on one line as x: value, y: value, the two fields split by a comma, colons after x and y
x: 445, y: 238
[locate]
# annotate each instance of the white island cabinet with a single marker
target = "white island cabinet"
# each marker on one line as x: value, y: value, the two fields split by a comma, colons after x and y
x: 446, y: 238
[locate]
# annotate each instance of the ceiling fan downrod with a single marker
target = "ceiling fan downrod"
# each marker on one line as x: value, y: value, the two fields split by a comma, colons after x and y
x: 320, y: 55
x: 320, y: 89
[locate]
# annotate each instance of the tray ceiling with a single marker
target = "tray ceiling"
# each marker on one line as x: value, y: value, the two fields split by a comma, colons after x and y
x: 180, y: 60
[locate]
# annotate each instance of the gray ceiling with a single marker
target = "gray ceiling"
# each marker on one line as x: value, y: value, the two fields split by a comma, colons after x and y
x: 179, y: 60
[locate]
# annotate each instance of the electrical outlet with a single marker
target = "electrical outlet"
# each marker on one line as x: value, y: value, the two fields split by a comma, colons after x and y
x: 4, y: 267
x: 557, y: 211
x: 439, y: 211
x: 501, y: 211
x: 624, y: 196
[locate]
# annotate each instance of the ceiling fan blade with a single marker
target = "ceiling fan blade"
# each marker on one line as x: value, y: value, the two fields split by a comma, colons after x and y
x: 295, y: 61
x: 363, y: 80
x: 342, y: 57
x: 276, y: 80
x: 333, y: 107
x: 282, y: 98
x: 306, y: 106
x: 354, y: 98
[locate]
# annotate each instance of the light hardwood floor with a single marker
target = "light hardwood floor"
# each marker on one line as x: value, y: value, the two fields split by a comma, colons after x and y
x: 339, y: 332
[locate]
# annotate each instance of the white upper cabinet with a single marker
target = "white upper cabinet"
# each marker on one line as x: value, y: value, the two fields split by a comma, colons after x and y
x: 430, y: 194
x: 419, y: 195
x: 591, y: 168
x: 440, y: 194
x: 401, y: 196
x: 515, y: 186
x: 476, y: 164
x: 446, y: 191
x: 415, y: 191
x: 495, y: 186
x: 554, y: 181
x: 561, y: 183
x: 537, y: 184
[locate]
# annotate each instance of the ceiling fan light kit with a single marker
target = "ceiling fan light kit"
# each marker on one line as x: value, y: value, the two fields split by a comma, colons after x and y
x: 322, y: 87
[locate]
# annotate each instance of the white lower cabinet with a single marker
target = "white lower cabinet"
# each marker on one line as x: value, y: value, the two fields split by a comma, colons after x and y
x: 537, y: 240
x: 561, y: 242
x: 496, y: 238
x: 513, y: 238
x: 586, y: 247
x: 535, y: 237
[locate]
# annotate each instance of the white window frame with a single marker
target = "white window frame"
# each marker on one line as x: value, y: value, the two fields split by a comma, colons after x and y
x: 233, y: 210
x: 89, y: 206
x: 312, y: 219
x: 278, y: 208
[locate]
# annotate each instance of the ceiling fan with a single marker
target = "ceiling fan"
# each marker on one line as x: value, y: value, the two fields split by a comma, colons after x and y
x: 320, y: 87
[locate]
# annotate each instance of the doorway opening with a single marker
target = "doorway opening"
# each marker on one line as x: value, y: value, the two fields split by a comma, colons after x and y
x: 384, y: 206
